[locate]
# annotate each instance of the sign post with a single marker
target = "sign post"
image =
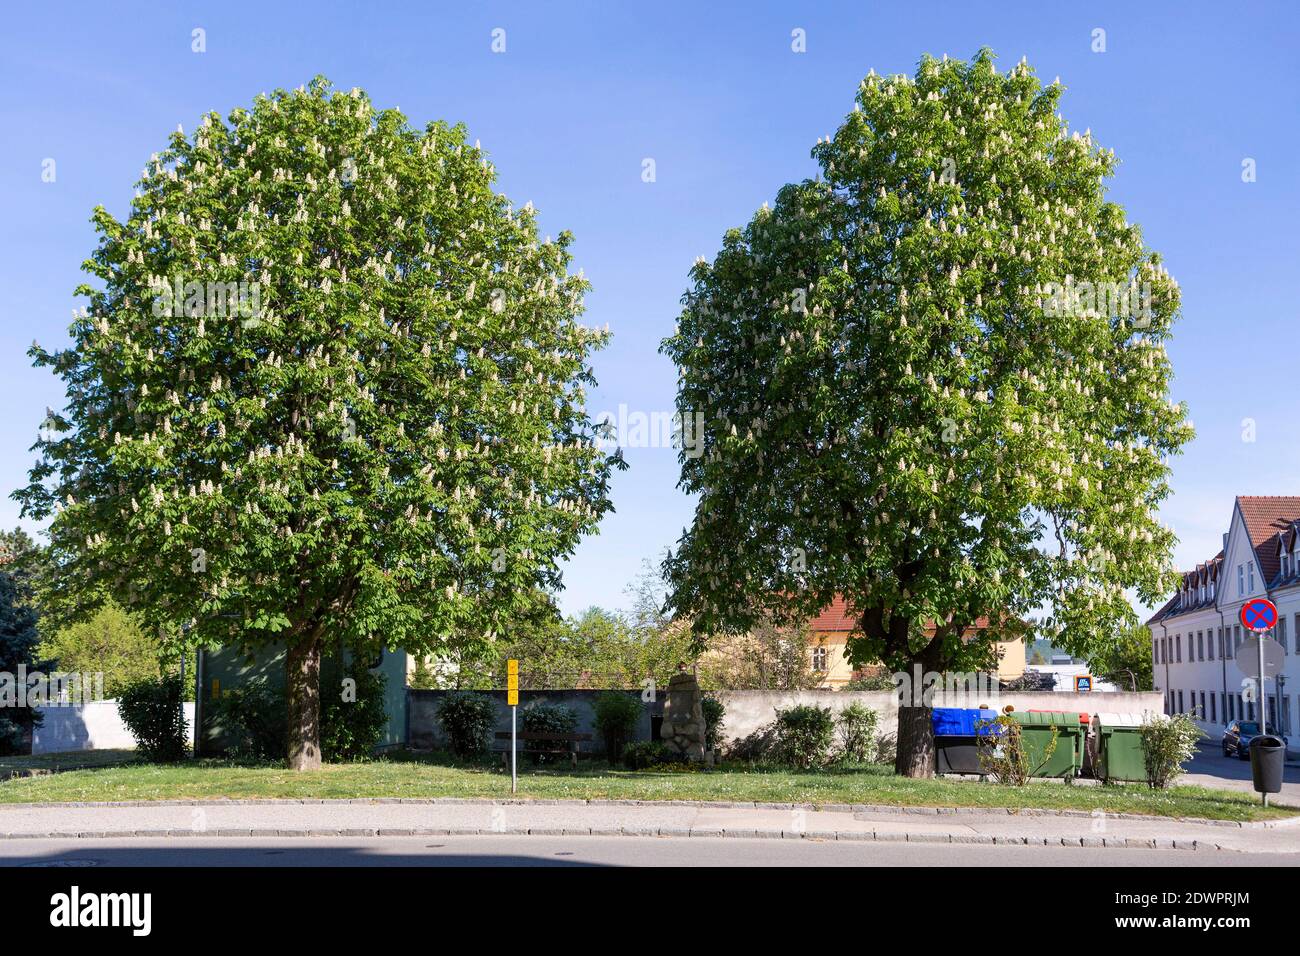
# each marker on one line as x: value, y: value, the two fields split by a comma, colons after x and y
x: 1259, y: 615
x: 512, y: 698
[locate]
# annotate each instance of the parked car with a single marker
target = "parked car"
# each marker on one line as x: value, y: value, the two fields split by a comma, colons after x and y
x: 1237, y: 737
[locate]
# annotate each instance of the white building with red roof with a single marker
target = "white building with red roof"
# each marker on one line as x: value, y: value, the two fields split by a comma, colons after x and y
x: 1196, y: 634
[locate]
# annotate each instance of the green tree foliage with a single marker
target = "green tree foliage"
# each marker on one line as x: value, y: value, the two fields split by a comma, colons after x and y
x: 385, y: 442
x: 21, y: 561
x: 900, y: 409
x: 110, y: 642
x: 1126, y: 661
x: 767, y: 657
x: 595, y: 648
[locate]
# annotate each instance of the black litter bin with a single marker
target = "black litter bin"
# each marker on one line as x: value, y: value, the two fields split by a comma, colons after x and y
x: 1267, y: 755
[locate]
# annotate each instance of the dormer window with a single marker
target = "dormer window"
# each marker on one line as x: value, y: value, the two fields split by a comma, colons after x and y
x: 1250, y: 571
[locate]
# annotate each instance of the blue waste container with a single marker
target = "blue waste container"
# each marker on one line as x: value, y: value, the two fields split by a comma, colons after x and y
x: 956, y: 738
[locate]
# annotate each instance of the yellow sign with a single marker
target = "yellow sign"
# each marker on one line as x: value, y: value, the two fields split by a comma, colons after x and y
x: 512, y: 683
x: 512, y: 697
x: 512, y: 666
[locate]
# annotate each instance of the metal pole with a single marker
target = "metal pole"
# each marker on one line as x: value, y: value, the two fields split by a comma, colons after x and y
x: 1263, y: 716
x: 1263, y: 699
x: 514, y: 752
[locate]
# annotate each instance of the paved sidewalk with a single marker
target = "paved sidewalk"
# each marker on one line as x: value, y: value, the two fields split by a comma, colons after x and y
x: 611, y: 818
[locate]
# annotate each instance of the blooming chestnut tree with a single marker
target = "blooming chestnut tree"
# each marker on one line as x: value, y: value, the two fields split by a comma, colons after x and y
x: 328, y: 395
x: 936, y: 383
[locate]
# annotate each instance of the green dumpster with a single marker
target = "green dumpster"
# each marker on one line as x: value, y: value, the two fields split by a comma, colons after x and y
x: 1037, y: 729
x: 1119, y: 747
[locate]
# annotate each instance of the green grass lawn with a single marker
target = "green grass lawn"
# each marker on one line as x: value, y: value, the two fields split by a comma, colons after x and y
x: 72, y: 760
x: 423, y: 775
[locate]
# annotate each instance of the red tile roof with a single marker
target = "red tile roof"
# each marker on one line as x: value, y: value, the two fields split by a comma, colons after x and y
x: 1265, y: 516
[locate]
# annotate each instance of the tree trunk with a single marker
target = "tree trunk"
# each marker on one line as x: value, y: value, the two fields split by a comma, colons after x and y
x: 915, y: 753
x: 302, y: 665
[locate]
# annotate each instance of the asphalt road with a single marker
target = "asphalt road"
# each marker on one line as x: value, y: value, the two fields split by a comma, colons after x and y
x: 1210, y: 768
x: 506, y: 850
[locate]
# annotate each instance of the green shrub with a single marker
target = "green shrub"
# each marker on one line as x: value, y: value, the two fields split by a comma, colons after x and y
x: 855, y: 726
x: 423, y: 677
x: 1167, y: 743
x: 804, y: 735
x: 617, y: 715
x: 254, y: 719
x: 467, y: 719
x: 1003, y: 754
x: 758, y: 747
x: 152, y: 711
x: 545, y: 718
x: 872, y: 682
x: 352, y: 715
x: 645, y: 754
x: 714, y: 712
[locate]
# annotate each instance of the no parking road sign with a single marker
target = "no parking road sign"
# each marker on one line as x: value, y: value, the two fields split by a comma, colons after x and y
x: 1258, y: 614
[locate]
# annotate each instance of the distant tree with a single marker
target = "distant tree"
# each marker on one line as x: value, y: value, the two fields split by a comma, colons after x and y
x: 767, y: 657
x: 20, y: 563
x: 111, y: 642
x: 925, y: 388
x: 1036, y: 656
x: 1126, y: 661
x: 328, y: 395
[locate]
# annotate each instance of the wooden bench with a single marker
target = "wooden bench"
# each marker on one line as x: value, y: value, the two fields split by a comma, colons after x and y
x: 572, y: 740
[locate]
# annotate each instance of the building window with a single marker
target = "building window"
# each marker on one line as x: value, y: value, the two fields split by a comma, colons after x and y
x: 1178, y: 648
x: 1241, y: 579
x: 1281, y: 632
x: 1200, y: 644
x: 1214, y: 717
x: 1180, y: 703
x: 1250, y: 573
x: 819, y: 659
x: 1209, y: 639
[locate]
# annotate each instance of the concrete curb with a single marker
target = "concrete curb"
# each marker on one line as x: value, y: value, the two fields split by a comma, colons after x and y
x: 856, y: 809
x: 677, y: 833
x: 746, y: 833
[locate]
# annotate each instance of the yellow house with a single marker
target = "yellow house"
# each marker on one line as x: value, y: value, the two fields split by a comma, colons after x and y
x: 828, y: 635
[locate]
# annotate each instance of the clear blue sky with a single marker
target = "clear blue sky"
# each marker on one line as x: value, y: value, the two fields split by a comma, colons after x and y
x: 714, y: 94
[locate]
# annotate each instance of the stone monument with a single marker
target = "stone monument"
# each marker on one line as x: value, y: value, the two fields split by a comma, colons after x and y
x: 683, y: 728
